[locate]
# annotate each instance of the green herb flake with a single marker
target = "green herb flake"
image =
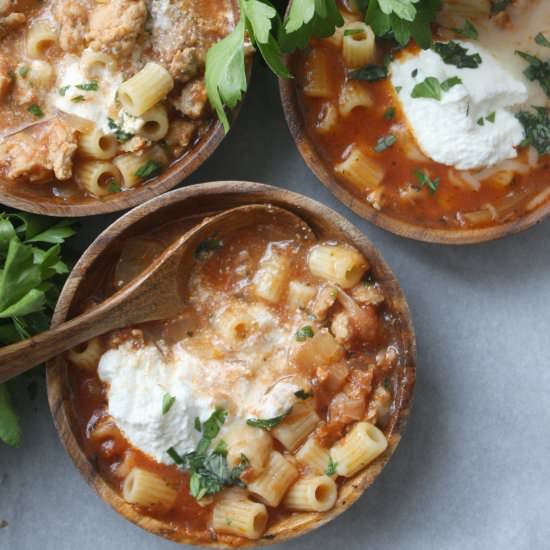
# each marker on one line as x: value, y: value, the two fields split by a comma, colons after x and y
x: 491, y: 117
x: 455, y: 54
x: 389, y: 113
x: 467, y: 31
x: 481, y: 121
x: 384, y: 143
x: 536, y: 125
x: 369, y: 73
x: 331, y: 468
x: 414, y: 74
x: 541, y: 40
x: 63, y: 90
x: 303, y: 395
x: 304, y: 333
x: 167, y: 402
x: 430, y: 88
x: 36, y: 111
x: 119, y: 134
x: 498, y: 6
x: 351, y: 32
x: 23, y: 71
x: 92, y: 86
x: 426, y: 181
x: 446, y: 85
x: 151, y: 169
x: 537, y: 71
x: 208, y: 245
x: 268, y: 423
x: 78, y: 99
x: 113, y: 186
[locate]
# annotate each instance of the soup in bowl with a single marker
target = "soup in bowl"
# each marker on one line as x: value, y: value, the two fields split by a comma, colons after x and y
x: 103, y: 104
x: 446, y: 144
x: 270, y: 403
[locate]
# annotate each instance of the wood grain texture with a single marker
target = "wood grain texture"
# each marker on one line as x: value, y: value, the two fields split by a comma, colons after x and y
x: 318, y: 166
x: 174, y: 174
x: 198, y: 201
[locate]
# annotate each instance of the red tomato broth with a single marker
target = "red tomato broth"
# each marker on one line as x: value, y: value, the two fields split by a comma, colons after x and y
x: 365, y: 126
x: 88, y: 397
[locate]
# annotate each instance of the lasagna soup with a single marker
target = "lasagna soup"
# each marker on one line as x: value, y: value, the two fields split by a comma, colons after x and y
x: 97, y: 97
x: 455, y: 136
x: 276, y: 382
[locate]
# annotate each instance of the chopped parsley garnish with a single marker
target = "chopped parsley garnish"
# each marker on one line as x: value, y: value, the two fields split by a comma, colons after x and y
x: 537, y: 129
x: 63, y: 90
x: 499, y: 5
x: 150, y: 169
x: 446, y: 85
x: 113, y: 186
x: 167, y: 402
x: 414, y: 74
x: 426, y: 181
x: 481, y: 121
x: 430, y: 88
x: 331, y: 468
x: 541, y: 40
x: 385, y: 143
x: 119, y: 134
x: 388, y: 385
x: 398, y: 88
x: 36, y: 111
x: 537, y: 71
x: 78, y: 99
x: 208, y: 245
x: 302, y: 394
x: 455, y: 54
x: 304, y: 333
x: 491, y: 117
x: 197, y: 424
x: 209, y: 470
x: 92, y: 86
x: 467, y: 31
x: 23, y: 71
x: 370, y: 73
x: 389, y: 113
x: 351, y: 32
x: 268, y: 423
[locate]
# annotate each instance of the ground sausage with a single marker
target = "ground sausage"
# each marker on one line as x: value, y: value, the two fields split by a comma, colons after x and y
x: 72, y: 16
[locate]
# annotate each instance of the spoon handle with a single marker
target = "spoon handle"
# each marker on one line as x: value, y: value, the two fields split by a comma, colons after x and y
x: 22, y: 356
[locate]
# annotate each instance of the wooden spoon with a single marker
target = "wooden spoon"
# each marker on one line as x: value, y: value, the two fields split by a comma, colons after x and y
x: 158, y: 293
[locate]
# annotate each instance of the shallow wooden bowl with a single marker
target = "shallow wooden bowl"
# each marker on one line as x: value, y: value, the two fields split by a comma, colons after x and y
x: 178, y: 171
x: 319, y: 167
x: 197, y: 201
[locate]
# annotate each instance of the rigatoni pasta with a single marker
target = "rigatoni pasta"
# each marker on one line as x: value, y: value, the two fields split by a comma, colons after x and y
x: 147, y: 489
x: 41, y: 36
x: 312, y: 494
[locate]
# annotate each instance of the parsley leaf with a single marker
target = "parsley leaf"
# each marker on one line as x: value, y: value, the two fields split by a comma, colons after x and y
x: 331, y: 468
x: 446, y: 85
x: 426, y: 181
x: 541, y: 40
x: 119, y: 134
x: 92, y: 86
x: 537, y: 128
x: 430, y: 88
x: 23, y: 71
x: 389, y: 113
x: 36, y: 111
x: 468, y: 30
x: 151, y: 169
x: 302, y: 394
x: 385, y: 143
x: 537, y: 71
x: 455, y: 54
x: 167, y: 402
x: 208, y: 245
x: 499, y: 5
x: 268, y: 423
x: 304, y: 333
x: 370, y: 73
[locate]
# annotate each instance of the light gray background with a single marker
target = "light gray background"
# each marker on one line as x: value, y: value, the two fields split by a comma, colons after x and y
x: 473, y: 470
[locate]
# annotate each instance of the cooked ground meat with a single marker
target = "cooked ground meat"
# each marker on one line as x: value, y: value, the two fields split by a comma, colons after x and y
x: 115, y: 26
x: 193, y: 100
x: 181, y: 134
x: 72, y: 16
x: 35, y: 157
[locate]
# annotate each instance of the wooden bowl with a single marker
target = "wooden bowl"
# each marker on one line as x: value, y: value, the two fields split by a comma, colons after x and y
x: 196, y: 201
x: 180, y: 169
x: 319, y: 167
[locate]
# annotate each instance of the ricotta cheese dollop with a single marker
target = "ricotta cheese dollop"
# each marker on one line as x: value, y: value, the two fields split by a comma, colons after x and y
x: 473, y: 125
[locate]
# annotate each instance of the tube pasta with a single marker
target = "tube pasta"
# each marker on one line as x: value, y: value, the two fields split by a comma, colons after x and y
x: 234, y: 324
x: 97, y: 145
x: 271, y: 485
x: 93, y: 63
x: 40, y: 37
x: 312, y: 494
x: 318, y: 78
x: 145, y: 89
x: 322, y: 349
x: 156, y: 123
x: 294, y: 429
x: 358, y: 44
x: 254, y: 443
x: 40, y: 74
x: 104, y: 429
x: 86, y: 356
x: 237, y: 515
x: 358, y: 448
x: 314, y: 455
x: 95, y: 176
x: 360, y: 170
x: 352, y: 95
x: 342, y: 265
x: 270, y: 280
x: 327, y: 119
x: 336, y: 38
x: 147, y: 489
x: 129, y: 164
x: 300, y: 294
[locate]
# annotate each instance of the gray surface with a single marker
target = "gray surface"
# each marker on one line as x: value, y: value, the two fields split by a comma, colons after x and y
x: 473, y: 468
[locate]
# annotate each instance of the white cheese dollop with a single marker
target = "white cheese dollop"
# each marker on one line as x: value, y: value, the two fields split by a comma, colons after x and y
x: 448, y: 131
x: 138, y: 380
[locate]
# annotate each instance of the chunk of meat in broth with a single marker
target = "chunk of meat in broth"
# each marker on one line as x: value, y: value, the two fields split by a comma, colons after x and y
x: 72, y: 16
x: 192, y: 102
x: 35, y: 157
x: 181, y: 135
x: 116, y: 25
x: 11, y: 22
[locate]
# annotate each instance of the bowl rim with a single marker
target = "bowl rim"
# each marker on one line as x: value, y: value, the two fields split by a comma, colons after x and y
x: 179, y: 170
x: 251, y: 193
x: 314, y: 160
